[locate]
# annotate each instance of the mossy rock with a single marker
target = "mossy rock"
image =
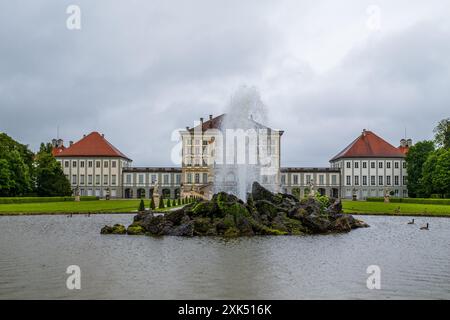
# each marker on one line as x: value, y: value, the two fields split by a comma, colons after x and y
x: 135, y: 229
x: 204, y: 209
x: 231, y: 232
x: 202, y: 226
x: 116, y: 229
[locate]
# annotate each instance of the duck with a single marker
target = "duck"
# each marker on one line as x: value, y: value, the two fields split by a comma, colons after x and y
x: 411, y: 222
x: 425, y: 227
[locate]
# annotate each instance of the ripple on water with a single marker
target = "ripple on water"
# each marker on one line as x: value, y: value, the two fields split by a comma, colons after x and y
x: 36, y: 250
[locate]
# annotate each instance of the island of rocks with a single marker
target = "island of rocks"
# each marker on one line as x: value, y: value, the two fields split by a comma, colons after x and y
x: 264, y: 213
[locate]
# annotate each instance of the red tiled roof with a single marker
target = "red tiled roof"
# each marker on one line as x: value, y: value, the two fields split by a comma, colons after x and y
x: 92, y: 145
x: 57, y: 150
x: 368, y: 144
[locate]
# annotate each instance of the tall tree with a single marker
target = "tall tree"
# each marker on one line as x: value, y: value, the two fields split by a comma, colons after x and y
x: 16, y: 167
x: 442, y: 133
x: 415, y: 159
x: 50, y: 179
x: 441, y: 173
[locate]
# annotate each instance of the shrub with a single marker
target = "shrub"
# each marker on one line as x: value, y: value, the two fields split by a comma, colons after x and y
x: 413, y: 200
x: 12, y: 200
x: 161, y: 203
x: 141, y: 206
x: 152, y: 204
x: 168, y: 204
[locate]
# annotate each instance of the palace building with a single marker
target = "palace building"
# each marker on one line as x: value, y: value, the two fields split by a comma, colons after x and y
x: 213, y: 160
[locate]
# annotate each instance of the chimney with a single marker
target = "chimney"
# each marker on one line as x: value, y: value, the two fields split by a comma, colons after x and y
x: 201, y: 121
x: 54, y: 143
x: 70, y: 143
x: 103, y: 135
x: 84, y: 136
x: 60, y: 143
x: 364, y: 132
x: 403, y: 143
x: 187, y: 128
x: 210, y: 117
x: 409, y: 143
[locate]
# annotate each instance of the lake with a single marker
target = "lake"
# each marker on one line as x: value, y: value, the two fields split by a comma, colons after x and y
x: 35, y: 252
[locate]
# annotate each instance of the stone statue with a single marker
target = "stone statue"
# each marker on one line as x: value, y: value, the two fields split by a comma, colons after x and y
x: 312, y: 193
x: 76, y: 192
x: 156, y: 195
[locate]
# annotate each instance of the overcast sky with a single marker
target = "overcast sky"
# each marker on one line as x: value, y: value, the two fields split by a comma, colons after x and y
x: 138, y: 70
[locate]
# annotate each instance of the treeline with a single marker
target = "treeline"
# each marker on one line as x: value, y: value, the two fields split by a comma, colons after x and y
x: 24, y: 173
x: 428, y: 165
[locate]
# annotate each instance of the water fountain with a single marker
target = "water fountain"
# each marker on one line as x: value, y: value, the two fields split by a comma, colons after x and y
x: 245, y: 146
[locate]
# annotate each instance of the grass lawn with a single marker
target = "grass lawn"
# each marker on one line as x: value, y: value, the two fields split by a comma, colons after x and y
x: 111, y: 206
x: 407, y: 209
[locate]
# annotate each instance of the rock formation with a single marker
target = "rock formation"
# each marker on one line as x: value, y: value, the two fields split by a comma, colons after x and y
x: 264, y: 213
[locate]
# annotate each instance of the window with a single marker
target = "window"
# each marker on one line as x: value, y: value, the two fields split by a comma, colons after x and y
x: 356, y: 180
x: 178, y: 177
x: 66, y: 164
x: 348, y: 180
x: 380, y: 180
x: 334, y: 179
x: 396, y: 164
x: 166, y: 179
x: 113, y: 179
x: 380, y: 165
x: 348, y: 165
x: 388, y: 165
x: 405, y: 180
x: 74, y: 164
x: 81, y: 164
x: 189, y: 177
x: 364, y: 165
x: 197, y: 178
x: 105, y: 164
x: 105, y: 179
x: 321, y: 180
x: 372, y: 180
x: 97, y: 164
x: 396, y: 180
x: 82, y: 179
x: 90, y: 179
x: 74, y: 179
x: 113, y: 164
x: 283, y: 179
x: 356, y: 165
x: 205, y: 177
x: 89, y: 164
x: 141, y: 179
x: 295, y: 179
x: 404, y: 165
x: 97, y: 179
x: 308, y: 178
x: 153, y: 178
x: 364, y: 182
x: 388, y: 180
x: 372, y: 165
x: 128, y: 178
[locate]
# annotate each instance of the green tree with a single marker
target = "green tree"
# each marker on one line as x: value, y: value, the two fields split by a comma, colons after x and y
x: 168, y: 204
x: 161, y: 203
x: 415, y: 159
x: 141, y: 206
x: 441, y: 173
x: 16, y: 167
x: 152, y: 204
x: 442, y: 133
x: 50, y: 179
x: 174, y: 202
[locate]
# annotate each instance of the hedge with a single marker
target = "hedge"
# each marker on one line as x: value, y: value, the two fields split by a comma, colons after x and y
x: 412, y: 200
x: 43, y: 199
